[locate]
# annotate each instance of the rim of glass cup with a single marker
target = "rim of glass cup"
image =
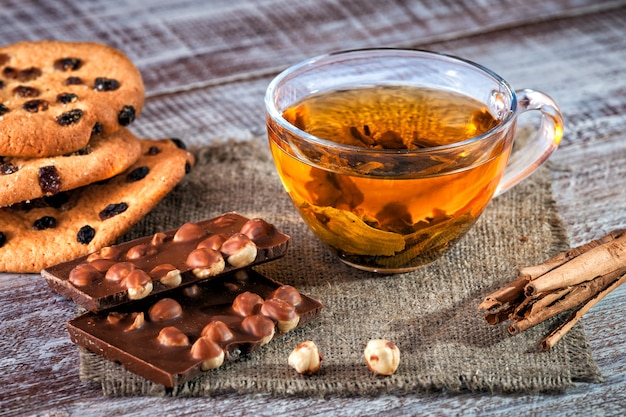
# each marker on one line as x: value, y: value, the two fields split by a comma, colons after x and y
x: 277, y: 116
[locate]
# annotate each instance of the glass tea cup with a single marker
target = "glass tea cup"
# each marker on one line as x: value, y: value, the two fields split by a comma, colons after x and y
x: 391, y: 155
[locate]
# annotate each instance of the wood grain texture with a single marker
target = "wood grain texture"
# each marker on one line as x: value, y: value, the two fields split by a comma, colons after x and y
x: 206, y: 66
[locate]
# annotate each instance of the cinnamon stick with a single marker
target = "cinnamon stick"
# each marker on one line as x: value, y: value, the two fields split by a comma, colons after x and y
x: 576, y: 315
x: 504, y: 295
x: 532, y: 305
x: 600, y: 260
x: 535, y: 271
x: 574, y: 281
x: 573, y: 298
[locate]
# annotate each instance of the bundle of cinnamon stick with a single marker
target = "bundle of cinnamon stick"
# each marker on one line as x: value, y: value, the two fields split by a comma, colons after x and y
x: 571, y: 281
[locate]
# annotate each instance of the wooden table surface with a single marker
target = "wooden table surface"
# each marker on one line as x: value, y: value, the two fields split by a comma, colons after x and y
x: 206, y: 64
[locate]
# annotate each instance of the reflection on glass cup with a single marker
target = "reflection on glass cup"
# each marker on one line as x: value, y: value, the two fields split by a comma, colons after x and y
x: 390, y: 155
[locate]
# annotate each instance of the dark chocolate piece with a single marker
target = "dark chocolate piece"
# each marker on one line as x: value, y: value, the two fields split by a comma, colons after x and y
x: 172, y: 340
x: 175, y: 258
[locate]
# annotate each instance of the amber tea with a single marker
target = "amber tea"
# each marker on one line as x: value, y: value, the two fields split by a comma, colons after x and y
x: 372, y: 214
x: 390, y: 155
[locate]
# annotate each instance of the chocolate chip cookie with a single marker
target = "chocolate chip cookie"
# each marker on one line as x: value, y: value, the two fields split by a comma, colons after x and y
x: 55, y: 95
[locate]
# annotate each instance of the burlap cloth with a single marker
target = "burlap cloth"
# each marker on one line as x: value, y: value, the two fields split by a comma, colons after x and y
x: 431, y: 314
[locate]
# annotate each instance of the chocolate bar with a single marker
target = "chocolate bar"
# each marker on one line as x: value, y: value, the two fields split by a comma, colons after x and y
x: 154, y: 264
x: 172, y: 339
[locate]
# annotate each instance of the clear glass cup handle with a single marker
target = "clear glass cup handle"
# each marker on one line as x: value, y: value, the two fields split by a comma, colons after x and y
x: 526, y: 159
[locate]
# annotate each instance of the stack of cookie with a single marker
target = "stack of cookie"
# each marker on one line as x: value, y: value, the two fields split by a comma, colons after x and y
x: 73, y: 178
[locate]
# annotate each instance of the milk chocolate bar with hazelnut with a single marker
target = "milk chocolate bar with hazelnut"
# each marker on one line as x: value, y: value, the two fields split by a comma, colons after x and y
x: 172, y: 339
x: 153, y: 264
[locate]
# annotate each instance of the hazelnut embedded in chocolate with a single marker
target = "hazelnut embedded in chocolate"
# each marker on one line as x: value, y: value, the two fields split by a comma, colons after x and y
x: 119, y: 271
x: 165, y: 309
x: 288, y: 293
x: 217, y: 331
x: 283, y: 312
x: 247, y: 303
x: 205, y: 262
x: 257, y: 229
x: 84, y: 274
x: 139, y: 284
x: 259, y: 326
x: 107, y: 252
x: 158, y: 239
x: 188, y: 232
x: 239, y: 250
x: 140, y: 251
x: 213, y: 242
x: 172, y: 336
x: 167, y: 275
x: 102, y: 265
x: 115, y: 318
x: 211, y: 354
x: 138, y: 321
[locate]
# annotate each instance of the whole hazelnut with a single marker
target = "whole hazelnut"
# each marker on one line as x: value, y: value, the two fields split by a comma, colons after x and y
x: 172, y: 336
x: 260, y: 327
x: 239, y: 250
x: 139, y: 284
x: 165, y: 309
x: 107, y: 252
x: 305, y: 358
x: 188, y: 232
x: 217, y: 331
x: 382, y: 356
x: 84, y: 274
x: 158, y: 239
x: 140, y: 251
x: 213, y: 242
x: 119, y: 271
x: 167, y: 275
x: 138, y: 321
x: 283, y: 312
x: 288, y: 293
x: 205, y: 262
x: 211, y: 354
x: 247, y: 303
x: 257, y: 229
